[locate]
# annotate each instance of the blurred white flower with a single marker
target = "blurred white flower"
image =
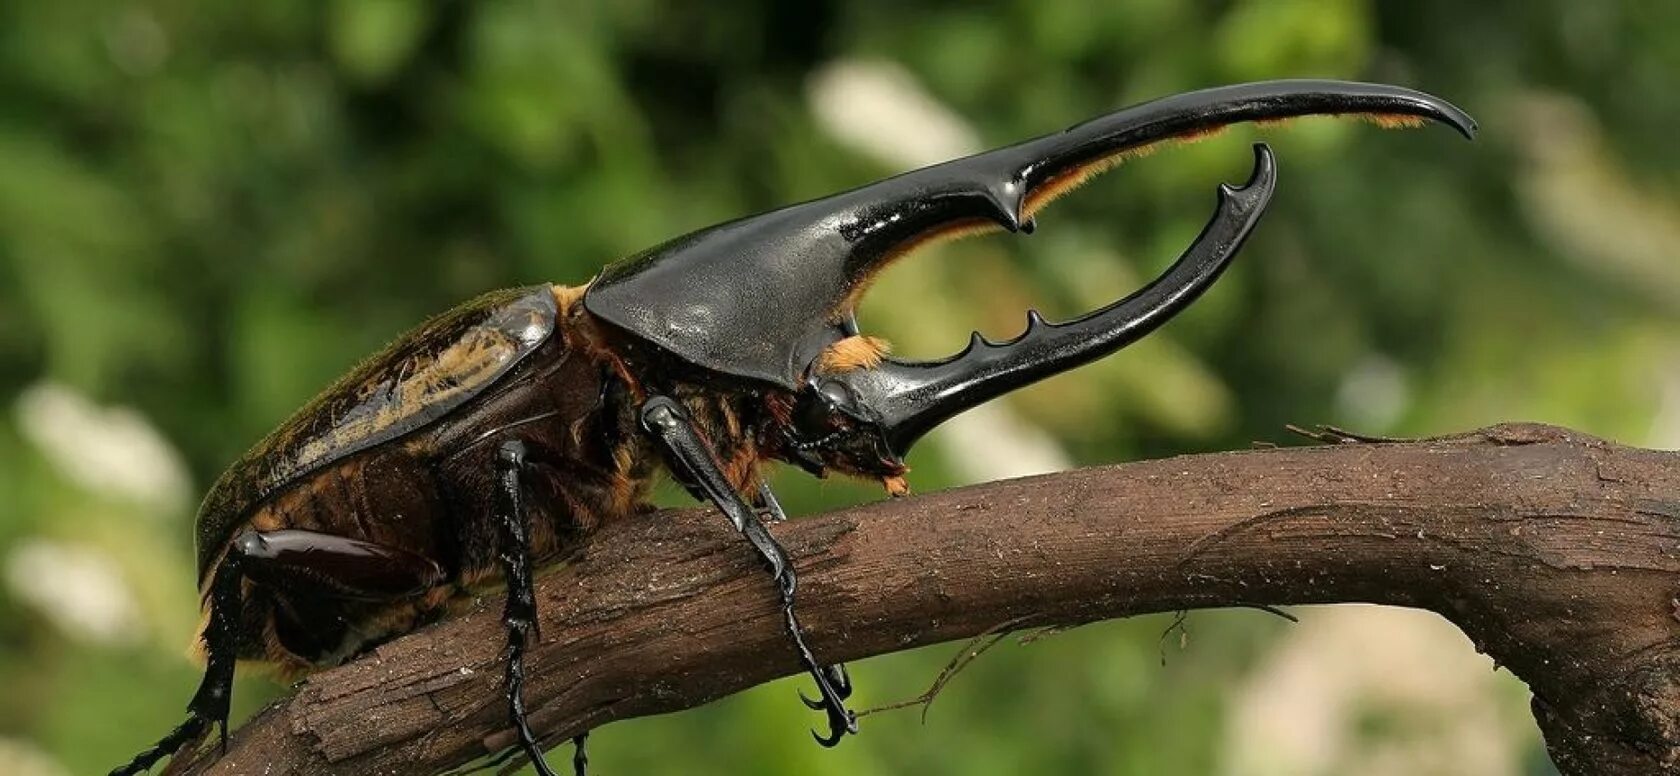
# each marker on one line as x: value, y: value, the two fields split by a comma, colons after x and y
x: 108, y: 450
x: 22, y: 758
x: 879, y: 109
x: 991, y: 443
x: 1665, y: 427
x: 137, y: 44
x: 1373, y: 395
x: 1592, y: 208
x: 79, y: 589
x: 1378, y: 691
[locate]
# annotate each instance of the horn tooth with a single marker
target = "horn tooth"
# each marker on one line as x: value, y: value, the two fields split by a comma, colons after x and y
x: 1007, y: 197
x: 1035, y: 322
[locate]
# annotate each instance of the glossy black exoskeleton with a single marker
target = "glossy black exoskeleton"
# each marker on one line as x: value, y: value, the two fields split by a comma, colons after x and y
x: 495, y: 437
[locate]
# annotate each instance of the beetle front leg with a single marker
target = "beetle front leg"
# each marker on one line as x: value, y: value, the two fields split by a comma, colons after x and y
x: 519, y: 616
x: 665, y: 421
x: 771, y: 508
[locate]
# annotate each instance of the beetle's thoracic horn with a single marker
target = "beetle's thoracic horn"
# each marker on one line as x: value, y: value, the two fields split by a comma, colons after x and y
x: 906, y: 399
x: 1007, y: 186
x: 761, y: 297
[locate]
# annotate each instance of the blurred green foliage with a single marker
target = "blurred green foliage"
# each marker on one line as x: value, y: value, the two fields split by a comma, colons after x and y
x: 208, y: 211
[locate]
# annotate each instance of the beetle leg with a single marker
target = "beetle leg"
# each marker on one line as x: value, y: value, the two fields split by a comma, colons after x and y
x: 771, y: 509
x: 520, y: 614
x: 335, y: 566
x: 313, y: 576
x: 767, y: 506
x: 667, y: 422
x: 209, y: 706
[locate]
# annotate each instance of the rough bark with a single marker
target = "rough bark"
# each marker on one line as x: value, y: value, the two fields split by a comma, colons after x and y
x: 1557, y: 553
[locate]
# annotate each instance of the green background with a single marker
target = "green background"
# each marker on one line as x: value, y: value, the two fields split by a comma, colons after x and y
x: 209, y: 210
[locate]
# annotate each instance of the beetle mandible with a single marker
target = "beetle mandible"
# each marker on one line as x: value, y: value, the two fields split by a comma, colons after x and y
x: 496, y: 436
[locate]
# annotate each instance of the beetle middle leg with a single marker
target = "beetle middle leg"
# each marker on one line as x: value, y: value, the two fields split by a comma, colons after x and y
x: 519, y: 616
x: 665, y: 421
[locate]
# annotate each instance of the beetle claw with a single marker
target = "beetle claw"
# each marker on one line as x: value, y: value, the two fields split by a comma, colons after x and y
x: 839, y: 680
x: 186, y: 735
x: 840, y: 723
x: 833, y: 687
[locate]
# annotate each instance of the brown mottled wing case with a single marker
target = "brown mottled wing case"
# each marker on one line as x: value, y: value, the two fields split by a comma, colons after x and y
x: 416, y: 380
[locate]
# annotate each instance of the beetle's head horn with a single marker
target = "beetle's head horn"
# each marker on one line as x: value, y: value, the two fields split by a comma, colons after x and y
x: 765, y: 299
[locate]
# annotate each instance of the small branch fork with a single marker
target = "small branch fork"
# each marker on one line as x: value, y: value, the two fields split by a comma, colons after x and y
x: 1557, y: 553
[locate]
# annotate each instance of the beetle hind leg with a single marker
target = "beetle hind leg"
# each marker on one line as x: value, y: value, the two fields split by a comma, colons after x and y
x: 308, y: 562
x: 209, y: 706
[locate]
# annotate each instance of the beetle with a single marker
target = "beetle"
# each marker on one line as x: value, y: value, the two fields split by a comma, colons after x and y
x: 499, y: 435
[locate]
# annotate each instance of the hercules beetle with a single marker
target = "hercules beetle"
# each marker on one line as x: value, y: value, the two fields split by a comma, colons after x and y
x: 497, y: 435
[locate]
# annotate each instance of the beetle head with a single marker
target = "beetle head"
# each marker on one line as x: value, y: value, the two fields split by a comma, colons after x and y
x: 825, y: 426
x: 768, y: 300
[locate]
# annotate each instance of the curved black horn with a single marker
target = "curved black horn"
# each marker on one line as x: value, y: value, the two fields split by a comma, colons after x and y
x: 1003, y: 188
x: 762, y: 297
x: 907, y: 399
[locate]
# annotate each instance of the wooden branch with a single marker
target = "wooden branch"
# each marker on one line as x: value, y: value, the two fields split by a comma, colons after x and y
x: 1556, y: 552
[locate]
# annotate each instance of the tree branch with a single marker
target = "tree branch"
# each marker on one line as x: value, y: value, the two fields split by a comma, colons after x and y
x: 1557, y: 553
